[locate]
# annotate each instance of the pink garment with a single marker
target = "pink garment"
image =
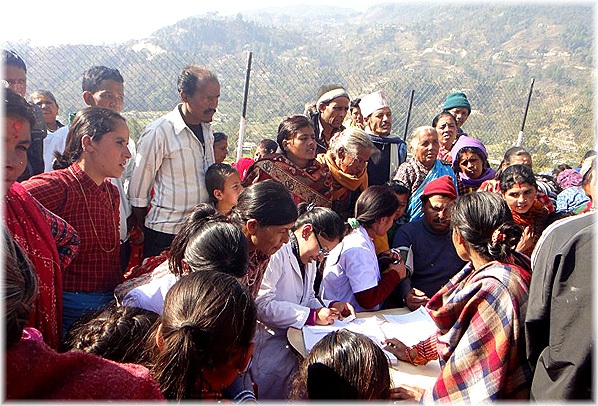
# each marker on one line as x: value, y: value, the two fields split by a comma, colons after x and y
x: 243, y: 166
x: 35, y: 371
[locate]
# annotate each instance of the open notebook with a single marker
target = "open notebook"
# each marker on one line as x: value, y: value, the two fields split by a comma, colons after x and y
x: 409, y: 328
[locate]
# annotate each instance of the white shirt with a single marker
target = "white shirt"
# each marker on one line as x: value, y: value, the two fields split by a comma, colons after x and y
x: 122, y: 183
x: 171, y: 160
x: 54, y: 141
x: 285, y: 298
x: 151, y: 295
x: 352, y: 266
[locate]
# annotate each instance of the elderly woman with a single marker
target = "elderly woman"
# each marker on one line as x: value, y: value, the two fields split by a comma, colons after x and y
x: 347, y: 161
x: 422, y: 167
x: 296, y: 167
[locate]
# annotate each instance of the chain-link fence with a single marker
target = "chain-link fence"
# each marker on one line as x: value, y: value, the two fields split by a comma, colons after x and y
x: 559, y: 126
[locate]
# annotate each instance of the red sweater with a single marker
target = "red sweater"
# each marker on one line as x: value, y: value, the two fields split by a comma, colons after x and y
x: 35, y: 371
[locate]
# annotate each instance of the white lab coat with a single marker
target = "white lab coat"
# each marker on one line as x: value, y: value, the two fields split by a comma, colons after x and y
x: 284, y: 300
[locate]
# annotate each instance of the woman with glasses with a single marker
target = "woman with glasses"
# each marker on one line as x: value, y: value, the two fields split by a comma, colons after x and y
x: 286, y: 298
x: 352, y: 273
x: 347, y: 160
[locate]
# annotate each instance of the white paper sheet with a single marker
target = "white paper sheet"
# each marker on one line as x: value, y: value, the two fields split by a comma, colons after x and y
x: 409, y: 328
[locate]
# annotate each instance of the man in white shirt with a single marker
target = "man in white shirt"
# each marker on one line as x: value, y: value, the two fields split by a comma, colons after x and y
x: 173, y: 154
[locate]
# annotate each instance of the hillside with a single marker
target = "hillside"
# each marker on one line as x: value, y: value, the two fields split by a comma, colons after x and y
x: 490, y: 52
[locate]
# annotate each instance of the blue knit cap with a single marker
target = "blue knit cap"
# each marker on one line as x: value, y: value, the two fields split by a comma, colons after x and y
x: 457, y: 99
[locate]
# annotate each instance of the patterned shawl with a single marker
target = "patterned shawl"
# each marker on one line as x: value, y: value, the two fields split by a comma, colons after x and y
x: 312, y: 184
x: 480, y: 316
x: 50, y: 244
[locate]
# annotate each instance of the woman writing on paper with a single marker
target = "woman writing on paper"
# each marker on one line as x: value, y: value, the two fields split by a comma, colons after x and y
x: 479, y: 313
x: 352, y: 272
x: 286, y: 298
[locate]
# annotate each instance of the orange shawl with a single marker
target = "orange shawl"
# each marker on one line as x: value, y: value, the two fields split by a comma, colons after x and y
x: 344, y: 183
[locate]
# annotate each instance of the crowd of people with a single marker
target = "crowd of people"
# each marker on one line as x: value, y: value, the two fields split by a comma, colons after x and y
x: 162, y: 269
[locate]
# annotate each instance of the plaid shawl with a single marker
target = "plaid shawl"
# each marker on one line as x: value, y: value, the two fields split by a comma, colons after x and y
x: 480, y: 317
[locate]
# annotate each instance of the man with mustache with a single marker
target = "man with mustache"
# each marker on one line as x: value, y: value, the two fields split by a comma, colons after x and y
x: 173, y: 154
x: 435, y: 259
x: 332, y: 106
x: 377, y: 119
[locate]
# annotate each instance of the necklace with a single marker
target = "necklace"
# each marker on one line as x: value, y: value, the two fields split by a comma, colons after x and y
x: 90, y: 218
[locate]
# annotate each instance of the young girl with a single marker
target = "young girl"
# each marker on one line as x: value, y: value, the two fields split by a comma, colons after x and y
x: 117, y: 333
x: 224, y: 186
x: 480, y: 312
x: 352, y: 273
x: 343, y: 365
x: 81, y: 193
x: 287, y: 299
x: 519, y: 189
x: 207, y: 242
x: 205, y: 336
x: 470, y: 164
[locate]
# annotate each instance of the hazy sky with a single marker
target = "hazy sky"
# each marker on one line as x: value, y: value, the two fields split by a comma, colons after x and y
x: 75, y: 21
x: 113, y: 21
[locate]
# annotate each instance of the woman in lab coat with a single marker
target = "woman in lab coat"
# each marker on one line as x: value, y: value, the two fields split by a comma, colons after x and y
x: 286, y: 298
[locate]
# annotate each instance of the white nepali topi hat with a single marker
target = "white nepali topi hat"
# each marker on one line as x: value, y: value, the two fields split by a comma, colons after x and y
x: 372, y: 102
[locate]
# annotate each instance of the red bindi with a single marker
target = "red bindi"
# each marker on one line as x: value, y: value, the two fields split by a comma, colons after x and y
x: 17, y: 125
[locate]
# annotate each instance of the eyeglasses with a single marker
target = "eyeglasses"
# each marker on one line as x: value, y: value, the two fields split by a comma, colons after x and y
x: 323, y: 251
x: 358, y: 160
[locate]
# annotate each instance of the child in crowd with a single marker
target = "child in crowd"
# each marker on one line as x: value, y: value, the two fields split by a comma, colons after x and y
x: 519, y: 189
x: 343, y: 365
x: 117, y: 333
x: 382, y: 243
x: 220, y: 147
x: 264, y: 148
x: 224, y: 186
x: 287, y: 299
x: 82, y: 194
x: 352, y: 273
x: 204, y: 339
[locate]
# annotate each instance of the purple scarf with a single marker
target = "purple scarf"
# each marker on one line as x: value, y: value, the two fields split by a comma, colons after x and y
x: 475, y: 183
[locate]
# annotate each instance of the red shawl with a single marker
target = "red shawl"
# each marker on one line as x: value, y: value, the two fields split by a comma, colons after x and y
x: 312, y: 184
x: 34, y: 371
x: 535, y: 218
x: 30, y: 229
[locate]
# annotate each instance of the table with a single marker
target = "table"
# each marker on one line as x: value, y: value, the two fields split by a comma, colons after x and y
x: 403, y: 373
